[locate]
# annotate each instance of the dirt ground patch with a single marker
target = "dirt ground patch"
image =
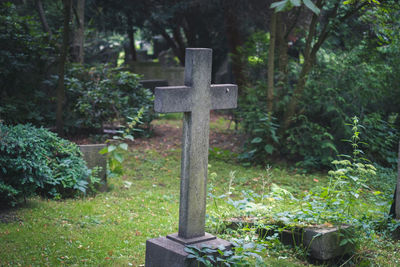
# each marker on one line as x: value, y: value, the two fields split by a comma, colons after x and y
x: 167, y: 136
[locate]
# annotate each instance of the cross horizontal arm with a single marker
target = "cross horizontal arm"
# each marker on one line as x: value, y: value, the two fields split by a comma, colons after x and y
x: 224, y: 96
x: 172, y: 99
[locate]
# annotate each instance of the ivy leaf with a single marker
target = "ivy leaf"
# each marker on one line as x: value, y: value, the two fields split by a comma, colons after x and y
x: 312, y: 6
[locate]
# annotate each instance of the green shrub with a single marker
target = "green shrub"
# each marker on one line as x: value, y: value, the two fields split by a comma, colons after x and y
x: 342, y: 84
x: 34, y: 160
x: 102, y: 94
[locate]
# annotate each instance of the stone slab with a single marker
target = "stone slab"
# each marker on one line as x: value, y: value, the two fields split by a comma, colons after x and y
x: 322, y: 243
x: 163, y: 251
x: 153, y: 70
x: 94, y: 159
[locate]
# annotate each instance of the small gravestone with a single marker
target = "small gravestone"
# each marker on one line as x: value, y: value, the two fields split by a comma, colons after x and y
x: 195, y: 99
x: 322, y: 242
x: 94, y: 159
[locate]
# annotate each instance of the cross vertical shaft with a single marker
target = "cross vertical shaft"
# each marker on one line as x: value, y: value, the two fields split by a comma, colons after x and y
x: 195, y: 99
x: 195, y: 144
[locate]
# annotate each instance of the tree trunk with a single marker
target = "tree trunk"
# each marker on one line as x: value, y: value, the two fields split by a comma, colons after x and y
x: 131, y: 37
x: 42, y: 17
x: 176, y: 33
x: 77, y: 52
x: 271, y: 61
x: 282, y: 50
x: 309, y: 57
x: 61, y: 68
x: 235, y: 40
x: 171, y: 42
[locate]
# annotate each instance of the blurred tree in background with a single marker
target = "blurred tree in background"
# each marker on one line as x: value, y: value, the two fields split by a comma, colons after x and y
x: 304, y: 67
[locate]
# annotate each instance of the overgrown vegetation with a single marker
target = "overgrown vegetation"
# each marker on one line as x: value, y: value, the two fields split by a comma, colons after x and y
x: 304, y: 68
x: 340, y: 87
x: 34, y: 160
x: 103, y: 95
x: 25, y: 57
x: 111, y: 228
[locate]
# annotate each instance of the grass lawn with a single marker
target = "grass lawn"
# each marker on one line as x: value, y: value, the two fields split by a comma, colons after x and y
x: 111, y: 228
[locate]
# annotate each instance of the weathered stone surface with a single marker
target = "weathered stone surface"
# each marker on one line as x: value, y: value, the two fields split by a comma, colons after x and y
x: 195, y: 99
x: 223, y: 96
x: 322, y: 242
x: 94, y: 159
x: 172, y: 99
x: 206, y: 237
x: 166, y: 252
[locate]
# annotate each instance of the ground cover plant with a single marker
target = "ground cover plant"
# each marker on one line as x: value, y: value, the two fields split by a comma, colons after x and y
x: 111, y: 228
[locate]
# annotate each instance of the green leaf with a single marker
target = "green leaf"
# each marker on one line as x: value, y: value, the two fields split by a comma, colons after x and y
x: 256, y: 140
x: 111, y: 148
x: 295, y: 2
x: 103, y: 151
x: 343, y: 242
x: 123, y: 146
x: 129, y: 137
x: 329, y: 145
x: 118, y: 157
x: 312, y: 6
x: 269, y: 149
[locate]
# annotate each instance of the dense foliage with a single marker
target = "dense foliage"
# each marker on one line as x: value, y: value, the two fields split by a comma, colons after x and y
x: 303, y: 71
x: 355, y: 82
x: 101, y: 94
x: 25, y: 56
x: 34, y: 160
x: 94, y: 95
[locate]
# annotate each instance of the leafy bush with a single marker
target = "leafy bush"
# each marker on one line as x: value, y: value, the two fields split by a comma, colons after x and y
x: 311, y: 143
x: 101, y: 94
x: 342, y: 84
x: 34, y: 160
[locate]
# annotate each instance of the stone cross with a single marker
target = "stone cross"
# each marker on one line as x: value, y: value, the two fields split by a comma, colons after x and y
x: 195, y: 99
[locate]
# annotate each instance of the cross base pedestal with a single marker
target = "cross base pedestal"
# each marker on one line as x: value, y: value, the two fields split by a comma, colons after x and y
x: 169, y: 251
